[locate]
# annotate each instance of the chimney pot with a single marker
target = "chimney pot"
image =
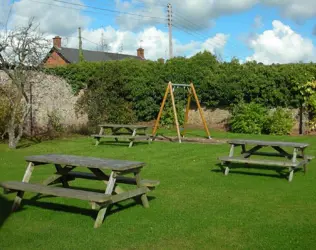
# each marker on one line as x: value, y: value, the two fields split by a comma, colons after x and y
x: 161, y: 60
x: 141, y: 53
x: 57, y: 42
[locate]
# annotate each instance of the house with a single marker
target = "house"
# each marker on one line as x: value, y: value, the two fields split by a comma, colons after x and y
x: 59, y: 55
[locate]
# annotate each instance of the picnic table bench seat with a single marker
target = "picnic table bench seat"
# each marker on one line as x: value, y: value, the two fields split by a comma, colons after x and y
x: 259, y: 161
x: 56, y: 191
x: 129, y: 137
x: 268, y: 143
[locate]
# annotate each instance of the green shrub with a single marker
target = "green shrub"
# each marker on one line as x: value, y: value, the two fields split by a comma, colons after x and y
x: 167, y: 117
x: 279, y: 122
x: 4, y: 113
x: 248, y: 118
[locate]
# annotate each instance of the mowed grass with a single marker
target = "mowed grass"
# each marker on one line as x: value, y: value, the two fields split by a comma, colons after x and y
x: 195, y: 206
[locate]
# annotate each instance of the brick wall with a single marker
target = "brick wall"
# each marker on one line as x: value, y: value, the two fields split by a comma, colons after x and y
x: 55, y: 60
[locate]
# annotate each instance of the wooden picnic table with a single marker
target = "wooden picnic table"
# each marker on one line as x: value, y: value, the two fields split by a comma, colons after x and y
x: 65, y: 164
x: 123, y: 131
x: 290, y: 158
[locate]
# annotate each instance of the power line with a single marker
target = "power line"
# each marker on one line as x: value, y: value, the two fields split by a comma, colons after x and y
x: 80, y: 9
x: 108, y: 10
x: 193, y: 25
x: 215, y: 45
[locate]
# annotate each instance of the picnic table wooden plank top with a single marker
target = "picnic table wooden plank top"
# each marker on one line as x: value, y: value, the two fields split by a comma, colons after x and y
x: 268, y: 143
x: 81, y: 161
x: 131, y: 126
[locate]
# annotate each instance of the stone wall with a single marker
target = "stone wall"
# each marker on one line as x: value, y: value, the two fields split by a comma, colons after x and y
x: 51, y: 96
x: 217, y: 118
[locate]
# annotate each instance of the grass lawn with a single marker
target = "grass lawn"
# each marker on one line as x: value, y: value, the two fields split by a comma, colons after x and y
x: 195, y: 206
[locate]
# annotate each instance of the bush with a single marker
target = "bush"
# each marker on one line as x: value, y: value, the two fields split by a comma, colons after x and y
x: 279, y: 122
x: 167, y: 117
x: 248, y: 118
x: 4, y: 113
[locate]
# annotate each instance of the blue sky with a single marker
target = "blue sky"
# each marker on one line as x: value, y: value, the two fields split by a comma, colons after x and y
x: 264, y: 30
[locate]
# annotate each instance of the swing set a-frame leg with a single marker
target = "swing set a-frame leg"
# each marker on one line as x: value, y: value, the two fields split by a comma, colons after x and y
x: 175, y: 113
x: 186, y: 117
x: 200, y: 110
x: 161, y: 109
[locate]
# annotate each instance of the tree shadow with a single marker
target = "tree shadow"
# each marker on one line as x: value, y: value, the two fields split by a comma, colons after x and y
x: 5, y: 209
x: 281, y: 172
x: 28, y: 143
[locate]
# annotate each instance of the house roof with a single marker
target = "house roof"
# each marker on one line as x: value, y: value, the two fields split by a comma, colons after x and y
x: 72, y: 55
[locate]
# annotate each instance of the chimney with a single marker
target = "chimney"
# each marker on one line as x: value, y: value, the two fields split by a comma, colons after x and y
x: 57, y: 42
x: 161, y: 60
x: 141, y: 53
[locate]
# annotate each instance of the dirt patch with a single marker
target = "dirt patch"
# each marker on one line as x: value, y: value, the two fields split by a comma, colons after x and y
x: 190, y: 140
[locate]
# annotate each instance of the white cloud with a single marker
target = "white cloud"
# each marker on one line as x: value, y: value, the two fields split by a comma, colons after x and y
x: 154, y: 41
x: 298, y: 10
x: 194, y: 15
x: 52, y: 19
x: 281, y: 45
x: 4, y: 11
x: 200, y: 14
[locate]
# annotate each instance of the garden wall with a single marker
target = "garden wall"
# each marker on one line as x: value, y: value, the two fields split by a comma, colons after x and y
x: 217, y: 118
x: 52, y: 101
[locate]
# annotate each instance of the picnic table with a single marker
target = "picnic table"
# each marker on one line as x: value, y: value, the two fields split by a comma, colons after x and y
x: 123, y: 131
x: 290, y: 158
x: 65, y: 164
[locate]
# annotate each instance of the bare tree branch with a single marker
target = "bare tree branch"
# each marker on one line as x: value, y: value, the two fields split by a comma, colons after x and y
x: 21, y: 52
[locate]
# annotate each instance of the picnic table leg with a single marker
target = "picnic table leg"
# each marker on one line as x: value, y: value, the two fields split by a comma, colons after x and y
x: 304, y: 159
x: 26, y: 178
x: 243, y: 149
x: 291, y: 169
x: 98, y: 173
x: 291, y: 174
x: 143, y: 197
x: 114, y: 131
x: 63, y: 171
x: 102, y: 211
x: 99, y: 138
x: 132, y: 141
x: 231, y: 154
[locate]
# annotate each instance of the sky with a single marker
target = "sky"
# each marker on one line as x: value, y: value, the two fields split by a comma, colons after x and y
x: 268, y: 31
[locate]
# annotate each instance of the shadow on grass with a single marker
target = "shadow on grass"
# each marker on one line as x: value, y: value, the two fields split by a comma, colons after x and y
x: 28, y: 143
x: 281, y: 173
x: 112, y: 209
x: 5, y: 209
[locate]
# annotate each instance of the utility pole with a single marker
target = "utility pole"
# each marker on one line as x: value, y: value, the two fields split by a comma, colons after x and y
x: 103, y: 45
x: 170, y: 30
x: 81, y: 58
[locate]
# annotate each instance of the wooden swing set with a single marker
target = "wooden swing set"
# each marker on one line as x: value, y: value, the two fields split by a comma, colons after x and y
x: 191, y: 92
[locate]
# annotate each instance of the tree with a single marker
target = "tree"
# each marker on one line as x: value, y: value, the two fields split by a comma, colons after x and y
x: 21, y: 51
x: 308, y: 97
